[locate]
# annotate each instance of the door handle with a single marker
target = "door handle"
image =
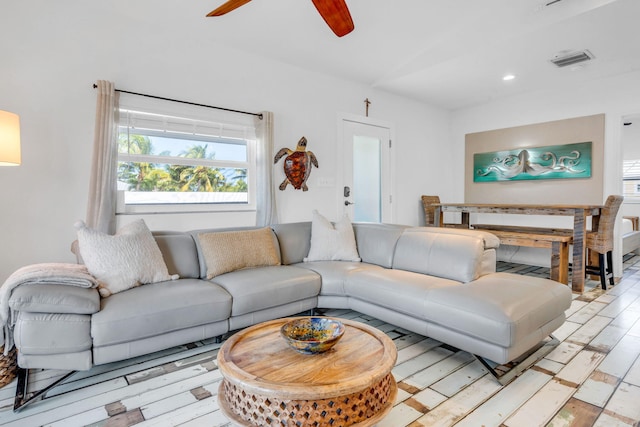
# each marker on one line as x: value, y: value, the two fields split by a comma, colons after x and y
x: 347, y: 203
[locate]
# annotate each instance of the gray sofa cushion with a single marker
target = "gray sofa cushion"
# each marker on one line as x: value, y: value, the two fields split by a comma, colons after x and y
x: 295, y: 241
x: 259, y: 288
x: 46, y: 333
x: 377, y: 242
x: 335, y: 273
x: 159, y: 308
x: 449, y: 256
x: 402, y: 291
x: 500, y: 308
x: 43, y: 298
x: 179, y: 253
x: 490, y: 240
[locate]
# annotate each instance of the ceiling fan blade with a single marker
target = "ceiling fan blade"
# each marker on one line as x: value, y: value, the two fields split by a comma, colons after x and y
x: 336, y: 15
x: 228, y: 7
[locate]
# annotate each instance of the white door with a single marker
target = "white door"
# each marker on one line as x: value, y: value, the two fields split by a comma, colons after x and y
x: 366, y: 190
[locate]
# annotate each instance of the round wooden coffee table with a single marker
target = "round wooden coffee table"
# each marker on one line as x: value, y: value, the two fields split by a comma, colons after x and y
x: 266, y: 383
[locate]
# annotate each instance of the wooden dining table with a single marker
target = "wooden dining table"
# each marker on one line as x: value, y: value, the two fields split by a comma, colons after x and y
x: 578, y: 212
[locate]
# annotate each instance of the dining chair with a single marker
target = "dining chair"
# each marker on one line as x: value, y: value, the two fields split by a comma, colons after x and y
x: 601, y: 242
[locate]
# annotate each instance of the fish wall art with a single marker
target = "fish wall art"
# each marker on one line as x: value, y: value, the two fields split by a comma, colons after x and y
x: 535, y: 163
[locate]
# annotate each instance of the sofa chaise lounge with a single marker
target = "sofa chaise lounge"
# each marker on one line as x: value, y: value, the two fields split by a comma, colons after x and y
x: 438, y: 282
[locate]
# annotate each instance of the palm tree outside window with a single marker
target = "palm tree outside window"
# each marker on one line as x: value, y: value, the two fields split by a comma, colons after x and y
x: 162, y: 163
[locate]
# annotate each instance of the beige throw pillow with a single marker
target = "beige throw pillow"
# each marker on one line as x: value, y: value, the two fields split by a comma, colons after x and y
x: 332, y: 243
x: 127, y: 259
x: 228, y: 251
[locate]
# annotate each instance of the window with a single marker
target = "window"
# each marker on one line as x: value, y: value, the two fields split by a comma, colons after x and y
x: 631, y: 179
x: 171, y: 163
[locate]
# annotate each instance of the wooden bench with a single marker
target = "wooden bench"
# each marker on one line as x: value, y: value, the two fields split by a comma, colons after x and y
x: 557, y: 239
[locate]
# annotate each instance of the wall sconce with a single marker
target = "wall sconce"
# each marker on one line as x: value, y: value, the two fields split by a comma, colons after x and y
x: 9, y: 139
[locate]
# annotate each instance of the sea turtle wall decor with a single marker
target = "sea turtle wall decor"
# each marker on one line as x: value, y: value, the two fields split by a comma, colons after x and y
x: 297, y: 165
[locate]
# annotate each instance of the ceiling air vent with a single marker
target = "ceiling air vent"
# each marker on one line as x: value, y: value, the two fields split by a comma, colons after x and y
x: 565, y: 59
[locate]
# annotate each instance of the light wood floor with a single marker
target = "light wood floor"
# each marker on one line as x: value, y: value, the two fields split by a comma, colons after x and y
x: 591, y: 379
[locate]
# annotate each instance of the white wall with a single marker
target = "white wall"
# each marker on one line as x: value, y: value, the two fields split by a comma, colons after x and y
x: 630, y: 136
x: 615, y: 97
x: 52, y: 53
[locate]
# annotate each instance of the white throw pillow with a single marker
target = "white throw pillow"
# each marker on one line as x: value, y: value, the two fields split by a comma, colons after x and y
x: 127, y: 259
x: 332, y: 243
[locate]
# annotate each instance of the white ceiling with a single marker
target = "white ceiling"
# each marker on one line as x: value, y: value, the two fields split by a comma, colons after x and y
x: 448, y: 53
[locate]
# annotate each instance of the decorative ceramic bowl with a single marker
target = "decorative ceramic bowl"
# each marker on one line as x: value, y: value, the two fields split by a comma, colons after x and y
x: 312, y: 335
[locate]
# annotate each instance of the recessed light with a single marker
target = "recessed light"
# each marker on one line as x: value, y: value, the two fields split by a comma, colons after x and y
x: 508, y: 77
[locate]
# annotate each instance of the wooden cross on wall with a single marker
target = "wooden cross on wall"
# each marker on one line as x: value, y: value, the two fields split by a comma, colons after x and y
x: 366, y: 107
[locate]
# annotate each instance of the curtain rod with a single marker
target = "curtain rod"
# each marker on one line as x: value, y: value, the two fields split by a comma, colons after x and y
x: 259, y: 115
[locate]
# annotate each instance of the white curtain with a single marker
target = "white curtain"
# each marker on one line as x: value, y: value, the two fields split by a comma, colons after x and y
x: 266, y: 210
x: 101, y: 207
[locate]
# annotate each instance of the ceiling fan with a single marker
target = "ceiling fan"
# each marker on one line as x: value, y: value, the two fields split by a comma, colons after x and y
x: 334, y: 12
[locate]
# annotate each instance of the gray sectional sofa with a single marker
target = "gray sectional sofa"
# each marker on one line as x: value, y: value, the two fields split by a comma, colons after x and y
x: 438, y: 282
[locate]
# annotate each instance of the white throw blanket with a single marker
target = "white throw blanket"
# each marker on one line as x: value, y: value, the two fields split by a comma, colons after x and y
x: 46, y: 273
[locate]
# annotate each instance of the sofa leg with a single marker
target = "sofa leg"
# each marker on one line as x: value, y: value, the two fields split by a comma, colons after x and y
x: 23, y: 398
x: 540, y: 352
